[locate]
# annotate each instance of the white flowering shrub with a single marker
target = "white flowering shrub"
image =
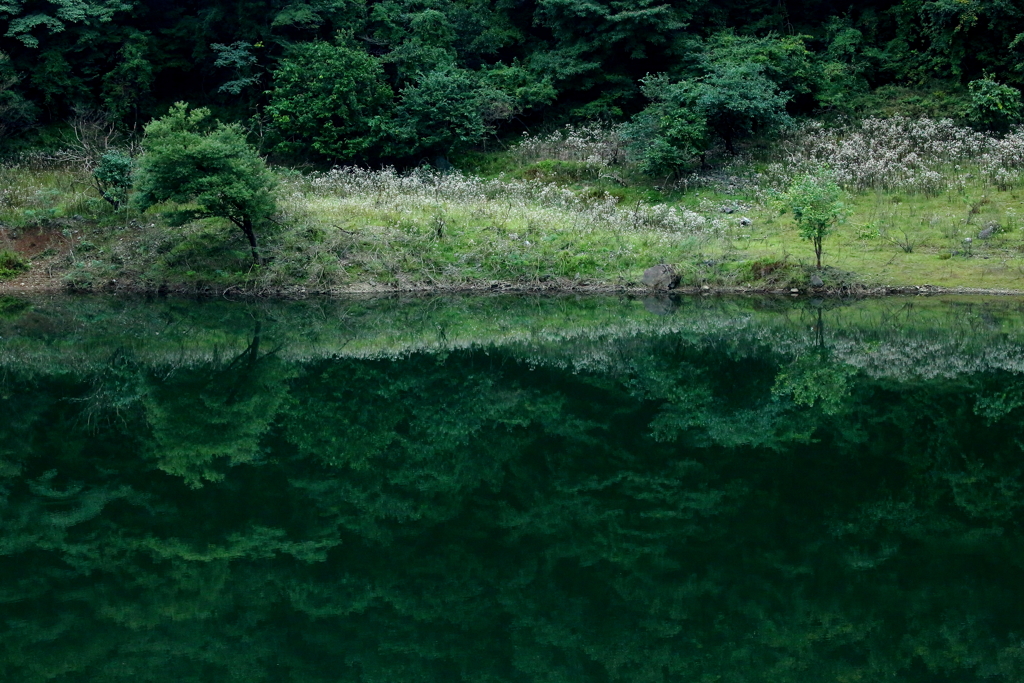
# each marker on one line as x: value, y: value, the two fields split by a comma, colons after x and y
x: 590, y: 144
x: 902, y: 155
x: 499, y: 201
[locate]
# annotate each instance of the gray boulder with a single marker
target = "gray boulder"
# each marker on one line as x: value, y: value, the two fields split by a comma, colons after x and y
x: 661, y: 277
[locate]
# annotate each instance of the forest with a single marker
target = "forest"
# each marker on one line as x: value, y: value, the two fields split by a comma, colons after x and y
x: 626, y: 128
x: 337, y: 81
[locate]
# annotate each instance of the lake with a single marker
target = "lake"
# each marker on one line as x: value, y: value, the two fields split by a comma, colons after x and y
x: 512, y: 489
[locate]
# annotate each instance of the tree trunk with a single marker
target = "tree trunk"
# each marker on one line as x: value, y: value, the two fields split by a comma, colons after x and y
x: 728, y: 145
x: 817, y: 250
x: 251, y: 236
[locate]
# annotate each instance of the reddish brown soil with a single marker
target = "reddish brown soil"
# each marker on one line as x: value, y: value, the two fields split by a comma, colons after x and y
x: 43, y: 247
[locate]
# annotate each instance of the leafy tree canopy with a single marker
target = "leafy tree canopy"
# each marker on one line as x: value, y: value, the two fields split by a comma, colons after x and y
x: 531, y: 64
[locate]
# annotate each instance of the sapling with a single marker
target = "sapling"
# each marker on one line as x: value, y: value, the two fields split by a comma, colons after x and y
x: 815, y: 200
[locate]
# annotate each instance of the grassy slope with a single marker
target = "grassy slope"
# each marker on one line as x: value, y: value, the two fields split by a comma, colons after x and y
x: 334, y: 239
x: 871, y: 242
x: 889, y: 239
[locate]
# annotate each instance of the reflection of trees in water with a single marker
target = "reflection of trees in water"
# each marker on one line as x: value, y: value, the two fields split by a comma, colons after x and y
x: 816, y: 376
x: 202, y: 419
x: 685, y: 512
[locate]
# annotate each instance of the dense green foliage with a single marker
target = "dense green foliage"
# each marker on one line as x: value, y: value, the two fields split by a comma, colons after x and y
x: 331, y: 79
x: 113, y: 176
x: 468, y: 491
x: 993, y: 106
x: 330, y: 100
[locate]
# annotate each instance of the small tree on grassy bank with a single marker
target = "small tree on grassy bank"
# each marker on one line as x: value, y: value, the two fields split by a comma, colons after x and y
x: 190, y: 159
x: 816, y: 204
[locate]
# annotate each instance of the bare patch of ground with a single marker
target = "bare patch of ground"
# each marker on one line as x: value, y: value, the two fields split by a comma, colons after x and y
x: 45, y: 248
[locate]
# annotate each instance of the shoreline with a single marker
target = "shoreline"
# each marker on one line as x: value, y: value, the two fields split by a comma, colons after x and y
x: 559, y: 287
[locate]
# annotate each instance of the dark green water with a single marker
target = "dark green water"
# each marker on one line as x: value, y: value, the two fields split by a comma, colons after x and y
x: 512, y: 490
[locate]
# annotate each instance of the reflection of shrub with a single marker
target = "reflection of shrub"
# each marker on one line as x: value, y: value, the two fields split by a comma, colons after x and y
x: 12, y: 308
x: 11, y: 263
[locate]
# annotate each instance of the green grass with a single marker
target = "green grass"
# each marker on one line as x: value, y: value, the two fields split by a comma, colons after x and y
x: 40, y: 192
x: 910, y: 240
x: 459, y: 242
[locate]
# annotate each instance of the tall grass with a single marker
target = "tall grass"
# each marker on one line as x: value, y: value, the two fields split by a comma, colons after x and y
x: 421, y: 228
x: 36, y: 189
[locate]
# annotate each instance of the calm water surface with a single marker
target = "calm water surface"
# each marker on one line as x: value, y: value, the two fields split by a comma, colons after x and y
x: 512, y: 490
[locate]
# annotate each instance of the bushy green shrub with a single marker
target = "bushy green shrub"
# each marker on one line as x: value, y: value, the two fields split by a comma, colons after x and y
x: 12, y: 263
x: 993, y: 106
x: 447, y: 109
x: 730, y: 102
x: 113, y: 177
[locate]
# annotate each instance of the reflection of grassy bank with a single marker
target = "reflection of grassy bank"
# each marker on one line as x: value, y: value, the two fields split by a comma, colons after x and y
x: 886, y: 337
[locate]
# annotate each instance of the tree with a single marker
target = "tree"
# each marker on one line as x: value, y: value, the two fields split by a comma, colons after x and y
x: 25, y: 23
x: 330, y: 98
x: 597, y: 50
x: 129, y: 83
x: 817, y: 207
x: 15, y: 111
x: 737, y: 100
x: 112, y: 176
x: 668, y: 134
x: 190, y: 159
